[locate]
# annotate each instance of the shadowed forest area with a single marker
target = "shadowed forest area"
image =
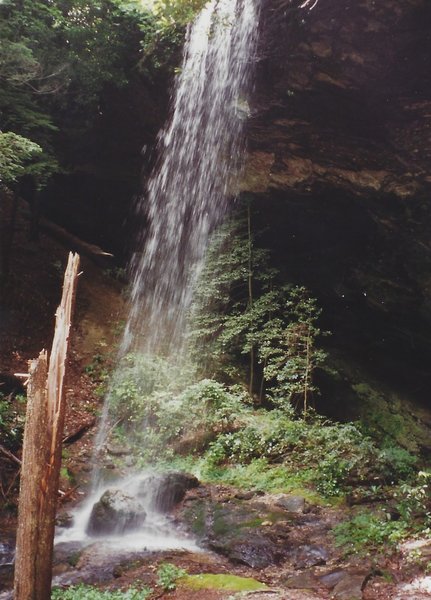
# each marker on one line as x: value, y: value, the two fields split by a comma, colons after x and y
x: 247, y: 183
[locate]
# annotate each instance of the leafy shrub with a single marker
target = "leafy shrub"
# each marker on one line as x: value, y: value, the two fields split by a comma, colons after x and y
x: 213, y: 404
x: 153, y: 405
x: 167, y: 575
x: 368, y: 531
x: 396, y: 463
x: 12, y: 418
x: 414, y: 500
x: 89, y: 592
x: 242, y: 446
x: 258, y: 475
x: 137, y: 379
x: 241, y: 309
x: 334, y: 457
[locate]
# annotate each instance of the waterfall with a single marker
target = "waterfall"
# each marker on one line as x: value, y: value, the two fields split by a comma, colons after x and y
x: 200, y: 154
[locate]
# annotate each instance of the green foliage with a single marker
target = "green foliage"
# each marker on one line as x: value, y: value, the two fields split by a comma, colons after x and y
x: 275, y: 437
x: 367, y: 532
x: 414, y: 500
x: 89, y: 592
x: 56, y: 60
x: 240, y: 310
x: 12, y: 418
x: 331, y: 457
x: 163, y: 32
x: 140, y: 387
x: 100, y: 369
x: 154, y: 405
x: 174, y: 13
x: 258, y: 475
x: 167, y: 576
x: 289, y: 353
x: 396, y: 463
x: 389, y: 418
x: 15, y: 154
x: 260, y: 449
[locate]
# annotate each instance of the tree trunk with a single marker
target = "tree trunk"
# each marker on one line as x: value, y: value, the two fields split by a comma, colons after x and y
x: 41, y: 458
x: 250, y: 292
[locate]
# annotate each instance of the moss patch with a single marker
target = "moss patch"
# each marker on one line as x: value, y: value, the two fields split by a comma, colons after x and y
x: 232, y: 583
x: 392, y: 417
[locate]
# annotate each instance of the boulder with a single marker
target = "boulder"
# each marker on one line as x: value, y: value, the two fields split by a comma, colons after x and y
x: 310, y: 556
x: 293, y: 504
x: 115, y: 513
x: 253, y: 549
x: 168, y: 489
x: 349, y: 588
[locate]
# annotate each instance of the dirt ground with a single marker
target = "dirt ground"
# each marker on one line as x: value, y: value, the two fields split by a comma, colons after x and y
x: 28, y: 303
x: 33, y: 290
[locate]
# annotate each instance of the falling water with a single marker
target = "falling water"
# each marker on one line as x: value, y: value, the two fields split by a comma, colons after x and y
x: 200, y: 155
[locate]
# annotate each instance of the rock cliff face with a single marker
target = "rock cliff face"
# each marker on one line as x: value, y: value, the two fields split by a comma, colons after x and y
x: 344, y: 98
x: 340, y: 164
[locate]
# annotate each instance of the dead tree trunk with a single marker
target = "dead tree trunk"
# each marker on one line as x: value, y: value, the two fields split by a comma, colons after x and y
x: 41, y: 458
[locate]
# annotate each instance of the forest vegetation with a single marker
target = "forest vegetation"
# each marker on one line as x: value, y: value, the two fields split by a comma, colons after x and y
x: 250, y: 406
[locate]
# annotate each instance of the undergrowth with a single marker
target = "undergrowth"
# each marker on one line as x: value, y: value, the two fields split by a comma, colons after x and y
x: 89, y: 592
x: 411, y: 514
x: 215, y: 430
x: 167, y: 576
x: 12, y: 417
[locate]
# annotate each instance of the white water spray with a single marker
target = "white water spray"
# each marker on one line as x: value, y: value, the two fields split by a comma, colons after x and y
x: 200, y: 155
x: 200, y: 152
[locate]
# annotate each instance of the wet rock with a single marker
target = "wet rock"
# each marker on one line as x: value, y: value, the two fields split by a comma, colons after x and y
x: 118, y: 450
x: 64, y: 520
x: 245, y: 495
x: 168, y: 489
x: 115, y: 512
x: 67, y: 553
x: 302, y: 581
x: 349, y: 588
x: 254, y: 550
x: 310, y: 556
x: 330, y: 580
x: 248, y: 533
x: 293, y: 504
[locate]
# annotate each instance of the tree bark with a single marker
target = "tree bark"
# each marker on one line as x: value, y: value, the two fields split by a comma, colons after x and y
x: 41, y: 458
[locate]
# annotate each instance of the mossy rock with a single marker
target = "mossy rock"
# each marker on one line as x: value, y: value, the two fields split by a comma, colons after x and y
x: 395, y: 418
x: 241, y: 532
x: 231, y: 583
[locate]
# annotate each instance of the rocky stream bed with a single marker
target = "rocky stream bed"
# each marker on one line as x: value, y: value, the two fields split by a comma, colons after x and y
x: 281, y: 540
x: 284, y: 541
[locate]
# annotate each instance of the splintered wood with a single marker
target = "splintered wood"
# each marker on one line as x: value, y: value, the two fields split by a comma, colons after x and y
x: 41, y: 458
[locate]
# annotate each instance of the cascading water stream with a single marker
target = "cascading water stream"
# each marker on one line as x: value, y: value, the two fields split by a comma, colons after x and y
x: 200, y: 152
x: 200, y: 155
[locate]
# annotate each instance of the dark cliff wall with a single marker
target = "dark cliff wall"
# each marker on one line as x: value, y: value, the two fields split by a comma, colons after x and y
x: 340, y: 166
